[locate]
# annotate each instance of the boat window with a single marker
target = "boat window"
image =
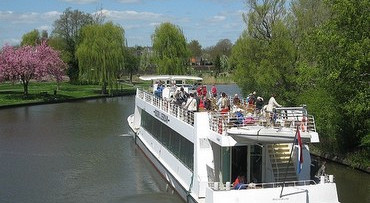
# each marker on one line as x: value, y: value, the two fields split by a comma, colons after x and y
x: 179, y: 146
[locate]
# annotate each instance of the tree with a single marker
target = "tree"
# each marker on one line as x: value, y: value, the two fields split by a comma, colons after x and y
x: 171, y: 52
x: 265, y: 55
x: 195, y: 48
x: 263, y: 16
x: 341, y: 47
x: 101, y: 54
x: 50, y: 59
x: 67, y: 28
x: 32, y: 38
x: 28, y: 62
x: 132, y: 61
x: 146, y: 61
x: 223, y: 47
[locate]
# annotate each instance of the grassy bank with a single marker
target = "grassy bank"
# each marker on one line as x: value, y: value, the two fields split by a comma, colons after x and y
x: 12, y: 94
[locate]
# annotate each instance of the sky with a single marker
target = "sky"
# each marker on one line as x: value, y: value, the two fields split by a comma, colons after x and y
x: 207, y: 21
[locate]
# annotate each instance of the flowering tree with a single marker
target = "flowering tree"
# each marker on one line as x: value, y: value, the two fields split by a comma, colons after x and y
x: 28, y: 62
x: 52, y: 64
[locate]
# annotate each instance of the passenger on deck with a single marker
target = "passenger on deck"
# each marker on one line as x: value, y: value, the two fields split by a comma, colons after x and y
x: 191, y: 104
x: 198, y: 98
x: 214, y: 91
x: 183, y: 95
x: 201, y: 103
x: 270, y: 109
x: 272, y: 103
x: 204, y: 90
x: 236, y: 100
x: 223, y: 103
x: 239, y: 183
x: 159, y: 90
x: 259, y: 105
x: 207, y: 104
x: 199, y: 90
x: 253, y: 98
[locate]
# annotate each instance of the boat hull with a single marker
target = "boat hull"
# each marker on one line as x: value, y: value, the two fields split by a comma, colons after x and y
x: 166, y: 174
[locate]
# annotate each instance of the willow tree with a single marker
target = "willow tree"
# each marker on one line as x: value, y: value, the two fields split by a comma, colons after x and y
x: 171, y: 51
x: 101, y: 54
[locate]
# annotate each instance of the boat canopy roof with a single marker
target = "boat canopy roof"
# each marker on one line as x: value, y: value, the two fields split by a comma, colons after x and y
x: 169, y: 77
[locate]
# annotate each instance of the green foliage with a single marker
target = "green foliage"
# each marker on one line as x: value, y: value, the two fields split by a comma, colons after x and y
x: 342, y: 48
x: 195, y: 48
x: 221, y: 49
x: 132, y: 61
x: 266, y: 65
x: 146, y: 61
x: 32, y: 38
x: 171, y: 52
x: 318, y: 55
x: 67, y: 29
x: 60, y: 44
x: 12, y: 94
x: 101, y: 54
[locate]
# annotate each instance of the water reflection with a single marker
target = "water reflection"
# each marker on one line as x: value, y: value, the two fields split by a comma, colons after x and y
x: 352, y: 185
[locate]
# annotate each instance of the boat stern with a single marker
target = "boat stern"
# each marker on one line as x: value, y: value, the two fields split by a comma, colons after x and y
x: 316, y: 193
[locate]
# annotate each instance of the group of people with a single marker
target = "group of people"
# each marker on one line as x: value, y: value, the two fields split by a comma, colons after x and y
x: 196, y: 101
x: 201, y: 99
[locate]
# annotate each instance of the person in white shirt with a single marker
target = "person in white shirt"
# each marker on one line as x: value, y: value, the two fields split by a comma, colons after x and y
x: 270, y: 109
x: 191, y: 103
x: 272, y: 103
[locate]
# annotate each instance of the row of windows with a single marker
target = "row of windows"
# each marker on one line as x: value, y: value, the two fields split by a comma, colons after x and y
x: 179, y: 146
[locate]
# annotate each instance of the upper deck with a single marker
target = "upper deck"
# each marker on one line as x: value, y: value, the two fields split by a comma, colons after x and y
x: 286, y: 118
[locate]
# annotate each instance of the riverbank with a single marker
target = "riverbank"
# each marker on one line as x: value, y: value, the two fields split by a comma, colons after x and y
x: 351, y: 161
x: 11, y: 95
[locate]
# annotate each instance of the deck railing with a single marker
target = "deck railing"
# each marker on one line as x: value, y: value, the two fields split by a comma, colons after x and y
x: 288, y: 117
x: 167, y: 106
x: 227, y: 186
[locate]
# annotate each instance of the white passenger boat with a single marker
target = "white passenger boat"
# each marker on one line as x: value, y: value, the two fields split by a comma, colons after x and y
x: 200, y: 154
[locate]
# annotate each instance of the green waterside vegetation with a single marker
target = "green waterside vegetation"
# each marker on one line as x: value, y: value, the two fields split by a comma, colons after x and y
x: 39, y: 92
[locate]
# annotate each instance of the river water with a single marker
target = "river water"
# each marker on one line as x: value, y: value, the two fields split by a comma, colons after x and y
x: 82, y: 152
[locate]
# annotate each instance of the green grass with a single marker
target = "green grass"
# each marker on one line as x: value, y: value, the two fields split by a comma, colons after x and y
x: 12, y: 94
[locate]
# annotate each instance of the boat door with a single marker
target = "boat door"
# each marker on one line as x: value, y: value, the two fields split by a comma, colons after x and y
x: 247, y: 161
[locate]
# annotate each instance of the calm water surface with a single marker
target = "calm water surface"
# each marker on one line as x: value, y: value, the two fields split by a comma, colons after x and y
x: 81, y: 152
x: 75, y: 152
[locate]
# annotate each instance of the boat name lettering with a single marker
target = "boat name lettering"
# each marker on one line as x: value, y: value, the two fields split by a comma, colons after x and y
x: 161, y: 116
x: 280, y: 199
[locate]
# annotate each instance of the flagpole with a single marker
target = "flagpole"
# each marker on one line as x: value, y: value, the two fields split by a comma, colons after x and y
x: 290, y: 158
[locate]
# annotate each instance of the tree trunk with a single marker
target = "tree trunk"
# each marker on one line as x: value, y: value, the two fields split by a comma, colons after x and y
x: 25, y: 87
x: 131, y: 77
x: 104, y: 88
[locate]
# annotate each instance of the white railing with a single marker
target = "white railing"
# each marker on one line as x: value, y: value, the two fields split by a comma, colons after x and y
x: 288, y: 117
x: 227, y: 186
x: 167, y: 106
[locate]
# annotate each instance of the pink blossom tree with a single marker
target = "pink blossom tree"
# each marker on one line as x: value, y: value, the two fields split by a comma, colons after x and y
x: 28, y: 62
x: 50, y: 60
